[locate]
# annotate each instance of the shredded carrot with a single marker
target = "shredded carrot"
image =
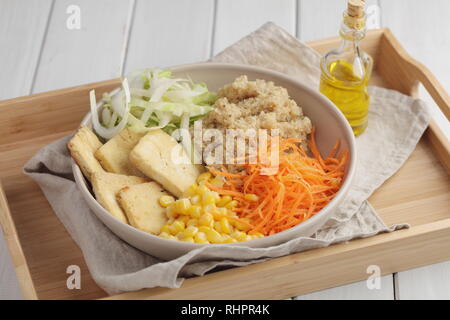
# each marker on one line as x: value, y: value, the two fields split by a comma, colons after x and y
x: 301, y: 186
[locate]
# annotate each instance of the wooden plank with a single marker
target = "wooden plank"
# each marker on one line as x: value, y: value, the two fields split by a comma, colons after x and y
x: 94, y: 52
x: 355, y: 291
x: 171, y: 32
x: 424, y: 41
x: 18, y: 39
x: 236, y: 18
x: 319, y: 19
x: 426, y: 283
x: 421, y: 30
x: 22, y: 25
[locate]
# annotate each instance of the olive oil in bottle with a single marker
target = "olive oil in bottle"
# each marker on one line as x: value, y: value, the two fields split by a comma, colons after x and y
x: 346, y: 70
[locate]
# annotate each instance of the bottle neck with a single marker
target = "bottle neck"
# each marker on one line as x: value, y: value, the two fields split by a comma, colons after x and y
x: 353, y: 28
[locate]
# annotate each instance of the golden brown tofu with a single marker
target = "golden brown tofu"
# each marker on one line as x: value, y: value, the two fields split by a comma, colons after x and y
x: 113, y: 155
x: 82, y: 147
x: 141, y: 205
x: 153, y: 155
x: 107, y: 185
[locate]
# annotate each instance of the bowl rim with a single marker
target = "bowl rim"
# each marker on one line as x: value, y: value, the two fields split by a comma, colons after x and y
x: 276, y: 238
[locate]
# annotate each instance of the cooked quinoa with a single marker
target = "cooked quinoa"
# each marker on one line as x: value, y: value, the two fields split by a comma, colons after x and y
x: 258, y: 104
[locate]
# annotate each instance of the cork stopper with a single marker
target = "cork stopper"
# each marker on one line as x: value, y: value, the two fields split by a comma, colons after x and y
x: 355, y: 8
x: 354, y: 16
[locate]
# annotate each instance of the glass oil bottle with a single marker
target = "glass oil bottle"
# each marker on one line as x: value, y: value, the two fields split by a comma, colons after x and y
x: 345, y: 71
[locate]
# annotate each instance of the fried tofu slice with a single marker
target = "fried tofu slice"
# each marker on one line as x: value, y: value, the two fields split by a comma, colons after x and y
x: 113, y: 155
x: 141, y: 205
x: 153, y: 155
x: 82, y: 147
x: 106, y: 186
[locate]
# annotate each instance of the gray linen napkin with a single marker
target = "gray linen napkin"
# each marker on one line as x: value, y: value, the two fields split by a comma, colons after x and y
x: 396, y: 125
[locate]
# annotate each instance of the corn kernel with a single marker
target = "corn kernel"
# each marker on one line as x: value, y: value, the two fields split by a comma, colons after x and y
x: 218, y: 226
x: 179, y: 236
x: 205, y: 176
x: 208, y: 198
x: 203, y: 229
x: 225, y: 226
x: 178, y: 226
x: 241, y: 226
x: 166, y: 201
x: 228, y: 239
x: 209, y: 208
x: 231, y: 204
x: 195, y: 211
x: 213, y: 236
x: 191, y: 190
x: 170, y: 212
x: 195, y: 199
x: 222, y: 211
x: 200, y: 237
x: 217, y: 182
x: 223, y: 201
x: 206, y: 220
x: 164, y: 235
x: 188, y: 239
x: 181, y: 206
x: 184, y: 219
x: 165, y: 228
x: 190, y: 231
x: 239, y: 235
x: 172, y: 230
x: 201, y: 190
x: 231, y: 213
x: 251, y: 197
x: 192, y: 222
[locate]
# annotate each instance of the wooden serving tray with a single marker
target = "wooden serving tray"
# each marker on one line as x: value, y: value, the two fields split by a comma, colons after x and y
x: 419, y: 193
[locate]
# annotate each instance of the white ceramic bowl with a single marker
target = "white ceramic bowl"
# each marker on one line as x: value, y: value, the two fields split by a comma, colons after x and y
x: 330, y: 125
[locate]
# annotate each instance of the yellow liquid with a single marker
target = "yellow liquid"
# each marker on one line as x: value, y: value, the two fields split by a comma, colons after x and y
x: 348, y: 92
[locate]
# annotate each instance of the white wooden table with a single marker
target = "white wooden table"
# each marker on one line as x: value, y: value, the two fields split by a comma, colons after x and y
x: 39, y: 52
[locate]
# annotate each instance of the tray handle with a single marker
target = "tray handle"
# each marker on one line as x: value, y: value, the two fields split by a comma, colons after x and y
x: 413, y: 72
x: 433, y: 87
x: 417, y: 72
x: 436, y: 136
